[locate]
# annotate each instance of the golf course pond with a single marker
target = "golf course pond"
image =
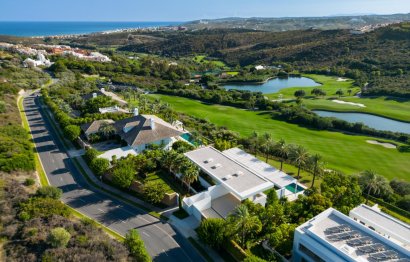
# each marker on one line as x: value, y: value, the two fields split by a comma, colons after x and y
x: 376, y: 122
x: 273, y: 85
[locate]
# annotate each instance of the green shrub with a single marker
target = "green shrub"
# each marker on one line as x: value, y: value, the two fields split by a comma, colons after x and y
x: 211, y: 231
x: 123, y: 175
x: 29, y: 182
x: 72, y: 132
x: 42, y: 207
x: 99, y: 166
x: 58, y: 237
x: 253, y: 258
x: 49, y: 192
x: 90, y: 154
x: 154, y: 192
x: 136, y: 246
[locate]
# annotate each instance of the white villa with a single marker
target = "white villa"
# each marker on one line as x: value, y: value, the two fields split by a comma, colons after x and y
x: 367, y: 235
x: 231, y: 177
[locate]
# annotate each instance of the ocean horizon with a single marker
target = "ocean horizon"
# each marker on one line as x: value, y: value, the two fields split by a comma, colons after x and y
x: 32, y: 29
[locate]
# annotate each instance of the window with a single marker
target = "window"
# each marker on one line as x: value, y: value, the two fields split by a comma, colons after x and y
x: 310, y: 254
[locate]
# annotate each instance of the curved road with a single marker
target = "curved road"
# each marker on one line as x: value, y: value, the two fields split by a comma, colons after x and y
x: 161, y: 240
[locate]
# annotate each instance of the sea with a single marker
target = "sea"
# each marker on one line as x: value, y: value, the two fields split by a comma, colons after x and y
x: 70, y: 28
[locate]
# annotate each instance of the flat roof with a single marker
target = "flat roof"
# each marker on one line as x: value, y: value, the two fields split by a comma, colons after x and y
x: 349, y: 238
x: 233, y: 175
x: 118, y: 152
x: 383, y: 222
x: 222, y: 206
x: 279, y: 178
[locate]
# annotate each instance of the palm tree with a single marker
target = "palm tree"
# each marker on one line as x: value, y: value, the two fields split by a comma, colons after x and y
x: 267, y: 145
x: 299, y: 155
x: 316, y: 164
x: 254, y: 142
x: 372, y: 183
x: 281, y: 150
x: 243, y: 222
x: 190, y: 173
x: 107, y: 130
x: 171, y: 160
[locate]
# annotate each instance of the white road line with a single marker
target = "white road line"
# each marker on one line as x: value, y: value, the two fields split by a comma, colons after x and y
x: 145, y: 233
x: 163, y: 250
x: 100, y: 210
x: 81, y: 200
x: 122, y: 221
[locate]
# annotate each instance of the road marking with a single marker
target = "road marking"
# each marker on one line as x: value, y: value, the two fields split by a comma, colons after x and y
x: 122, y: 221
x: 81, y: 200
x: 145, y: 233
x: 163, y: 250
x: 100, y: 210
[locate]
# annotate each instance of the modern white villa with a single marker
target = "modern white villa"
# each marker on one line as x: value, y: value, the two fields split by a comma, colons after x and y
x: 231, y: 177
x: 367, y: 235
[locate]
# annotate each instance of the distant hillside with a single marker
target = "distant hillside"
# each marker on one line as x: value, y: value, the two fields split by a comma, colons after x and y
x: 379, y: 57
x: 298, y: 23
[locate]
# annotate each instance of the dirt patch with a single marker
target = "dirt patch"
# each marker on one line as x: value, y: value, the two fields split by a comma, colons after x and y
x: 386, y: 145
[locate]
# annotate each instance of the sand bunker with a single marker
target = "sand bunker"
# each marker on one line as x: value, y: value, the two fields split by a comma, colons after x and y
x: 340, y: 79
x: 386, y: 145
x: 348, y: 103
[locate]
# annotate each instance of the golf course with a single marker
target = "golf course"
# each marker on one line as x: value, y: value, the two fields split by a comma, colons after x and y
x: 347, y: 153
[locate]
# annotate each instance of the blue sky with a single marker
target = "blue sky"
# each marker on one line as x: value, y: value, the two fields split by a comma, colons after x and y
x: 185, y: 10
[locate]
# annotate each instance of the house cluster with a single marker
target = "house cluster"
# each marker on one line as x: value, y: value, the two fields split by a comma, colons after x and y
x: 231, y: 177
x: 137, y: 132
x: 367, y: 234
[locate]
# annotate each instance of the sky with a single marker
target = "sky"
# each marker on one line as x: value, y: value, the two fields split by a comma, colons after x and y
x: 187, y: 10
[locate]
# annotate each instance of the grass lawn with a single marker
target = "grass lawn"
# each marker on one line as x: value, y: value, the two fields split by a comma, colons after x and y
x: 395, y: 108
x: 232, y: 73
x: 202, y: 59
x: 347, y: 153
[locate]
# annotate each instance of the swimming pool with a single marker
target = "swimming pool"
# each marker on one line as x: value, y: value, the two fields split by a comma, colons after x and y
x: 294, y: 188
x: 189, y: 138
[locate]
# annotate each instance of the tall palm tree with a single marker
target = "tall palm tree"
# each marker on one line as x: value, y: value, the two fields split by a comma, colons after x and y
x: 299, y: 155
x: 243, y: 222
x: 254, y: 142
x: 281, y: 150
x: 190, y: 173
x: 316, y: 165
x: 107, y: 130
x: 267, y: 145
x: 171, y: 160
x: 372, y: 183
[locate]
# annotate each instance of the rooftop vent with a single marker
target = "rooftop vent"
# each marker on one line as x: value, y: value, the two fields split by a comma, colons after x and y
x: 238, y: 174
x: 226, y: 178
x: 216, y: 166
x: 209, y: 160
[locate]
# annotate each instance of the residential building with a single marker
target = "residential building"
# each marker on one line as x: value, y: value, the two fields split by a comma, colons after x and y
x: 333, y: 236
x: 231, y: 177
x: 388, y: 226
x: 94, y: 127
x: 112, y: 109
x: 139, y: 131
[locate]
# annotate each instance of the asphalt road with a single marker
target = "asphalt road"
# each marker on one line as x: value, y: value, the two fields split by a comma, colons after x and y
x: 163, y: 243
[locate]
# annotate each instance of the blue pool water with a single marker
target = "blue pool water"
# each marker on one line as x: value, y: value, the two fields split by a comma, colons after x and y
x: 294, y: 188
x: 274, y: 85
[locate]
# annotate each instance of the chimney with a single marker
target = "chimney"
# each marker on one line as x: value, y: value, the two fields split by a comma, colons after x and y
x: 94, y: 95
x: 152, y: 123
x: 136, y: 111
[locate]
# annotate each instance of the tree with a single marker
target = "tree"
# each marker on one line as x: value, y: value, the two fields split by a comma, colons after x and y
x: 58, y: 237
x: 50, y: 192
x: 372, y: 183
x: 254, y: 142
x: 190, y: 173
x: 316, y: 165
x: 243, y: 224
x: 281, y: 150
x: 299, y: 94
x: 211, y: 232
x: 136, y: 246
x: 72, y: 132
x: 318, y: 92
x: 267, y: 145
x: 99, y: 166
x: 339, y: 92
x: 253, y: 258
x: 154, y: 192
x: 123, y: 175
x: 171, y: 160
x: 400, y: 187
x: 107, y: 130
x: 299, y: 156
x: 90, y: 154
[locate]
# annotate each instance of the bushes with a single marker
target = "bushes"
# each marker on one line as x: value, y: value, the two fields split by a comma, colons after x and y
x: 42, y: 207
x: 50, y: 192
x: 99, y: 166
x: 154, y: 192
x: 72, y: 132
x: 123, y: 175
x: 91, y: 154
x: 136, y: 246
x: 58, y: 237
x: 211, y: 231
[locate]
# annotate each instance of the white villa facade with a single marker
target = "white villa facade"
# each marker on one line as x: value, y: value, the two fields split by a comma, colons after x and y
x: 333, y: 236
x: 231, y: 177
